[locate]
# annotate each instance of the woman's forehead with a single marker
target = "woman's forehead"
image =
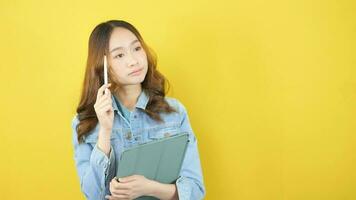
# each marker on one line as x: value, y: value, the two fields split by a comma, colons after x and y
x: 121, y: 37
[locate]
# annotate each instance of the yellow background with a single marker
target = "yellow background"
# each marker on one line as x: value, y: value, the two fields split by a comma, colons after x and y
x: 269, y: 86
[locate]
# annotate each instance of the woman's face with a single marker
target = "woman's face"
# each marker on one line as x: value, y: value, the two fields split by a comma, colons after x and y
x: 127, y: 58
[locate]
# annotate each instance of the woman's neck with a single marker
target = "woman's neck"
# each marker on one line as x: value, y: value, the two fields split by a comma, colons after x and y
x: 128, y: 95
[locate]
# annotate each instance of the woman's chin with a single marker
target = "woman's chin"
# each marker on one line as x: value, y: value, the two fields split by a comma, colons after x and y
x: 137, y: 80
x: 134, y: 82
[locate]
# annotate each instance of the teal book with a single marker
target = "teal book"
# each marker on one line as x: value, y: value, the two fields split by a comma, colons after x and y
x: 160, y: 160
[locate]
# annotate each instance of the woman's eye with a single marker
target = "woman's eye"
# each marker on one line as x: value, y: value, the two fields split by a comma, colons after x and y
x: 138, y: 48
x: 119, y: 55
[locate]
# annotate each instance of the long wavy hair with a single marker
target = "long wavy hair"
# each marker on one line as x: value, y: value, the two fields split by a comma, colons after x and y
x: 155, y: 84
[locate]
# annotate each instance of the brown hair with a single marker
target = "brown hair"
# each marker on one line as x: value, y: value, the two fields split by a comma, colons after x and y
x: 153, y: 84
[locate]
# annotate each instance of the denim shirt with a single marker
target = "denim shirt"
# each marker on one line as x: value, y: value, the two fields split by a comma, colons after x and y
x: 123, y: 110
x: 96, y: 170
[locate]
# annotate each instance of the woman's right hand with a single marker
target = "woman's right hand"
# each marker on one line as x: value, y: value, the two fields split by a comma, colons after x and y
x: 103, y: 108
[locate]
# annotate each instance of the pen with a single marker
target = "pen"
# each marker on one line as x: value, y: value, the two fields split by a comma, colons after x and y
x: 105, y: 72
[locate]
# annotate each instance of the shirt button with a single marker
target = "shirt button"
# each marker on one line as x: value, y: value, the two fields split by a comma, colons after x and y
x: 128, y: 136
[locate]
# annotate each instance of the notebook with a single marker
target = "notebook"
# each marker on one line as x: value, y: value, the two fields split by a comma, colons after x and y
x: 160, y: 160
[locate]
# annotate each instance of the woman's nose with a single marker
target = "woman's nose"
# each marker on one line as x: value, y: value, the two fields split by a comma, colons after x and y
x: 132, y: 61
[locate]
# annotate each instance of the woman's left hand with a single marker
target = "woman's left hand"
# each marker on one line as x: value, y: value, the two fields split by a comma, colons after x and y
x: 130, y: 187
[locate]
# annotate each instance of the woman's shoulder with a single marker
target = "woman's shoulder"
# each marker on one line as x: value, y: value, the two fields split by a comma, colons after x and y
x: 176, y: 104
x: 75, y: 119
x: 92, y: 135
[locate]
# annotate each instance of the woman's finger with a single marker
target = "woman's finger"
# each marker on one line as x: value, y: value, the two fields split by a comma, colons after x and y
x: 112, y: 197
x: 122, y: 186
x: 117, y: 185
x: 104, y: 95
x: 120, y: 196
x: 103, y: 99
x: 108, y: 92
x: 101, y: 90
x: 103, y: 104
x: 129, y: 178
x: 105, y: 109
x: 119, y: 192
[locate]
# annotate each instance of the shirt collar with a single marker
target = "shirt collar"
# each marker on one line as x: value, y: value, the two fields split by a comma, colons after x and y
x: 141, y: 102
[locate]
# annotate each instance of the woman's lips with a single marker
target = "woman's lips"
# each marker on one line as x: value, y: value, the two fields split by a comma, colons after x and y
x: 136, y: 72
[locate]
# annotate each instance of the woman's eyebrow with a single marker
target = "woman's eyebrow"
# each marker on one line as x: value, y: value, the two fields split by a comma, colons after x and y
x: 117, y: 48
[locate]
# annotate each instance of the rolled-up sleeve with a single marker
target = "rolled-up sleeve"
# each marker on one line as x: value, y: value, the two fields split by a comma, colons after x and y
x: 94, y: 168
x: 190, y: 184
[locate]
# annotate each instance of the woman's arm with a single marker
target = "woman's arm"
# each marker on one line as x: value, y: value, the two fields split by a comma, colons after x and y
x: 190, y: 184
x: 132, y: 187
x: 94, y: 167
x: 163, y: 191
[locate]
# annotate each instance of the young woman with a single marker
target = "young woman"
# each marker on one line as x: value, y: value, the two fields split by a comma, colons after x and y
x: 132, y: 110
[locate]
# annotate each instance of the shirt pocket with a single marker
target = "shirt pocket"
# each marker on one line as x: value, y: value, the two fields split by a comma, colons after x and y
x: 93, y: 138
x: 164, y: 131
